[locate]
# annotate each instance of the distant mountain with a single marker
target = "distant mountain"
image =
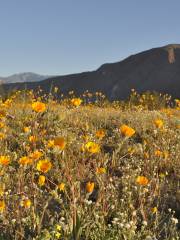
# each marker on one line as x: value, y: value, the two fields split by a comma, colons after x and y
x: 157, y: 70
x: 23, y: 77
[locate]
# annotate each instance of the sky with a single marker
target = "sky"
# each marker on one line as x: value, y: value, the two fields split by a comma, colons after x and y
x: 58, y: 37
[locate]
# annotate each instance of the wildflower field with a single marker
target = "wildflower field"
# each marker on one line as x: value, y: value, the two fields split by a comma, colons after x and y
x: 76, y: 170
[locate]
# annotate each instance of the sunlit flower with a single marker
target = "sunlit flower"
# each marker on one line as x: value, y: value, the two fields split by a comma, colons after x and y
x: 26, y: 129
x: 100, y: 133
x: 57, y: 235
x: 4, y: 160
x: 33, y: 139
x: 58, y: 227
x: 2, y: 113
x: 165, y: 154
x: 158, y: 153
x: 127, y: 131
x: 38, y: 107
x: 159, y: 123
x: 44, y: 165
x: 61, y: 186
x: 141, y: 180
x: 25, y: 160
x: 154, y: 210
x: 2, y: 136
x: 2, y: 124
x: 100, y: 170
x: 50, y: 143
x: 60, y: 142
x: 2, y: 189
x: 76, y: 101
x: 26, y: 203
x: 2, y: 205
x: 36, y: 155
x: 41, y: 180
x: 146, y: 155
x: 90, y: 187
x: 7, y: 103
x: 92, y: 147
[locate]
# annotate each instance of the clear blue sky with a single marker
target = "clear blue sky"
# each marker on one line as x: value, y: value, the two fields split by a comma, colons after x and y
x: 67, y: 36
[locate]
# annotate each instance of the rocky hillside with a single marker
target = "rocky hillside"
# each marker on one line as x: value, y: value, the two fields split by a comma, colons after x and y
x: 157, y: 69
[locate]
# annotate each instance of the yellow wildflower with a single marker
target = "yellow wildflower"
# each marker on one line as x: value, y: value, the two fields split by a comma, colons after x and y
x: 165, y: 154
x: 60, y: 142
x: 2, y: 136
x: 61, y: 186
x: 58, y: 227
x: 36, y: 155
x: 2, y: 124
x: 158, y: 153
x: 26, y: 203
x: 154, y: 210
x: 158, y: 123
x: 50, y: 143
x: 44, y: 165
x: 4, y: 160
x: 92, y: 147
x: 33, y: 139
x: 90, y: 187
x: 2, y: 205
x: 100, y: 133
x: 127, y: 131
x: 2, y: 188
x: 2, y: 113
x: 141, y: 180
x: 100, y: 170
x: 26, y: 129
x: 146, y: 155
x: 41, y: 180
x: 25, y: 160
x: 76, y: 102
x: 57, y: 235
x: 38, y: 107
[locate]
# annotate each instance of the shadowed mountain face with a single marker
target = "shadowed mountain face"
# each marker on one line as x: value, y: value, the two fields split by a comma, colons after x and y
x: 153, y: 70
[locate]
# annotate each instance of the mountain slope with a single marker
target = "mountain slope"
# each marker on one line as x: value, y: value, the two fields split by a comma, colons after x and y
x: 157, y: 69
x: 23, y: 77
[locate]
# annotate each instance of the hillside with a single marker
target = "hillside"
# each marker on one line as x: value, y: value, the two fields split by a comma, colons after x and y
x: 23, y: 77
x: 157, y: 69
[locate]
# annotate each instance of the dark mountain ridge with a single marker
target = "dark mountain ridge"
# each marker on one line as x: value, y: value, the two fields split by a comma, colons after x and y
x: 156, y: 69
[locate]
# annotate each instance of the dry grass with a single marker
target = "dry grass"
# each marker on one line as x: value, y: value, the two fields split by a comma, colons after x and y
x: 133, y: 179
